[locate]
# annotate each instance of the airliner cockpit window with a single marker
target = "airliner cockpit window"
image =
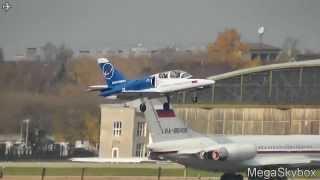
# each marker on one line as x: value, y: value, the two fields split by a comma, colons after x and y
x: 163, y: 75
x: 174, y: 74
x: 186, y: 75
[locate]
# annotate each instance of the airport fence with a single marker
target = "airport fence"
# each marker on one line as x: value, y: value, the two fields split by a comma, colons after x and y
x: 159, y: 173
x: 53, y: 152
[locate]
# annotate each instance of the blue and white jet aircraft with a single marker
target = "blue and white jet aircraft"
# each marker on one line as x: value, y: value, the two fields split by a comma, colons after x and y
x: 156, y: 85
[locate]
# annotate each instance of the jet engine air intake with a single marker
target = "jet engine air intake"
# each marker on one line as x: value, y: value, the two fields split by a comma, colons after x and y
x: 230, y: 152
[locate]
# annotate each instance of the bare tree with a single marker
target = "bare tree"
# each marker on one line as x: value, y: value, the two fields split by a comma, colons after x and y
x: 49, y: 51
x: 64, y: 53
x: 289, y: 49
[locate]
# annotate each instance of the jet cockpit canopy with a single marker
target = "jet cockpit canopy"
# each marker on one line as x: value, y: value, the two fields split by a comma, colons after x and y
x: 174, y: 74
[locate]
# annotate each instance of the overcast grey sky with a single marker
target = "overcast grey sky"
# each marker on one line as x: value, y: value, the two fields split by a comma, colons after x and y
x: 124, y: 23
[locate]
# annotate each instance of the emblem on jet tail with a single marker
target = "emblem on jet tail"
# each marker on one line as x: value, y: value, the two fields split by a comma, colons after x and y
x: 108, y: 70
x: 6, y: 6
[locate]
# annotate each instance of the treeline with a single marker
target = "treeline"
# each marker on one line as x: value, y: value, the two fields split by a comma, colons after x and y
x: 51, y: 90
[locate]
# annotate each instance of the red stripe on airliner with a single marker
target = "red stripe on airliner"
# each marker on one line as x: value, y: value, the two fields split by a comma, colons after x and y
x: 270, y: 152
x: 166, y: 113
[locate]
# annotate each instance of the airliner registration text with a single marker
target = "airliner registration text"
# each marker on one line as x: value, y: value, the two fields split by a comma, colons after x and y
x: 174, y: 130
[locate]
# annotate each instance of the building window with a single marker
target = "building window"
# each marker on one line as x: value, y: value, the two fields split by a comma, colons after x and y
x: 254, y: 56
x: 273, y: 56
x: 115, y: 152
x: 141, y: 130
x: 117, y: 126
x: 264, y: 56
x: 140, y: 150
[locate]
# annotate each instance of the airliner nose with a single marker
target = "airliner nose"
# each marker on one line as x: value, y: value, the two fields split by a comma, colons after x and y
x: 209, y: 81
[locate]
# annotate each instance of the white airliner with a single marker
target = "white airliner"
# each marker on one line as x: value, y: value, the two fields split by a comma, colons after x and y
x: 156, y: 85
x: 173, y: 140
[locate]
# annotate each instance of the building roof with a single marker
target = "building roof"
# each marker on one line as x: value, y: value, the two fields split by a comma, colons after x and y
x: 309, y: 56
x: 262, y: 47
x: 10, y: 137
x: 310, y: 63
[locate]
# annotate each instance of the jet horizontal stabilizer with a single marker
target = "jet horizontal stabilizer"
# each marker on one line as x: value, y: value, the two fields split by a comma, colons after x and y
x: 97, y: 87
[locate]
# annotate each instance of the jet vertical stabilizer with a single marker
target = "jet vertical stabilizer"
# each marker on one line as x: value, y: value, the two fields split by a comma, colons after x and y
x: 111, y: 75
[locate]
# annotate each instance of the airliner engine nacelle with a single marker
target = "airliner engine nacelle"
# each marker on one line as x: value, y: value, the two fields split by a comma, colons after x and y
x: 218, y: 154
x: 231, y: 152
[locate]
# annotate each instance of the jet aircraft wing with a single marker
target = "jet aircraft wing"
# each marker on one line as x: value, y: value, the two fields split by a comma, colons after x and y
x: 283, y: 160
x: 131, y: 95
x: 149, y: 93
x: 111, y: 160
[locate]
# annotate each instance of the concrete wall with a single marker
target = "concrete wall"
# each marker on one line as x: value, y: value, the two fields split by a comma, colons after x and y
x: 128, y: 140
x: 109, y: 114
x: 140, y: 139
x: 241, y: 120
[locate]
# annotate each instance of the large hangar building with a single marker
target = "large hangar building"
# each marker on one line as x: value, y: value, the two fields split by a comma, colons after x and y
x: 272, y: 99
x: 286, y: 84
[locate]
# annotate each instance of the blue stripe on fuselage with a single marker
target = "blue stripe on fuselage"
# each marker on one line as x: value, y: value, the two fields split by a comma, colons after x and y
x: 128, y: 85
x: 138, y: 84
x: 114, y: 90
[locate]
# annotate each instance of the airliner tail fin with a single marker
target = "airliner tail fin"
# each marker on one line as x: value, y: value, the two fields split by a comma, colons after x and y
x: 163, y: 124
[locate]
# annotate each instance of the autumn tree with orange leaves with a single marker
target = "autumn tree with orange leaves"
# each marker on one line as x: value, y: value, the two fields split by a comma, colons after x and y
x: 228, y: 49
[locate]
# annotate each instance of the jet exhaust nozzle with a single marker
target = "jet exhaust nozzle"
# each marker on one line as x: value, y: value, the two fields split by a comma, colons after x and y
x: 230, y: 152
x: 220, y: 154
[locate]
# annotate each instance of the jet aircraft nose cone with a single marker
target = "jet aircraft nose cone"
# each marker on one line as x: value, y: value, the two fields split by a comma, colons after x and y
x: 209, y: 81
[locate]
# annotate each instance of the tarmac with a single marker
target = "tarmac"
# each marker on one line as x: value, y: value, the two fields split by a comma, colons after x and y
x: 105, y: 178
